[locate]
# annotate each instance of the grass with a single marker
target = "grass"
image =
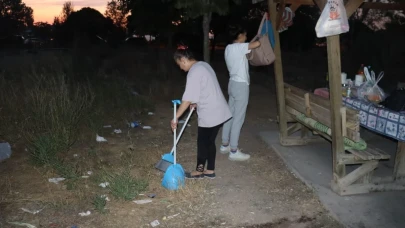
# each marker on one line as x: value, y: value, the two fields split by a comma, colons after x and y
x: 99, y: 203
x: 54, y: 108
x: 53, y: 100
x: 123, y: 186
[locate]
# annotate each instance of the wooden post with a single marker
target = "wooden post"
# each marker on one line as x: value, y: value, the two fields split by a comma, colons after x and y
x: 278, y: 71
x: 399, y: 168
x: 334, y: 67
x: 351, y: 6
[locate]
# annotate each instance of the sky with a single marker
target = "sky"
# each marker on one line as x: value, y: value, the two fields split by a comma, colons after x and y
x: 46, y: 10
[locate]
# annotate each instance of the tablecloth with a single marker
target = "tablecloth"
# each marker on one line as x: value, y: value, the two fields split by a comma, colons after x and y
x: 378, y: 119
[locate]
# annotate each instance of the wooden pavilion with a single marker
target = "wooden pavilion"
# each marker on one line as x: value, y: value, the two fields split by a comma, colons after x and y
x: 342, y: 121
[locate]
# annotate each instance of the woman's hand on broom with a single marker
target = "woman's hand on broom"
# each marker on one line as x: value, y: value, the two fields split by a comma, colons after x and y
x: 193, y: 106
x: 174, y: 123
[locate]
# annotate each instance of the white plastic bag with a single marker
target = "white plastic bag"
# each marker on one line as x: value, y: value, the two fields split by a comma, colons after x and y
x: 333, y: 20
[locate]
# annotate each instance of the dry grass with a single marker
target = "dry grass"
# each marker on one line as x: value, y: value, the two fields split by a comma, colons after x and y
x: 108, y: 99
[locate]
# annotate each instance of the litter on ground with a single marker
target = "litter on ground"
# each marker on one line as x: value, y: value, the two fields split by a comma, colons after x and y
x: 22, y: 224
x: 56, y: 180
x: 104, y: 185
x: 105, y: 197
x: 142, y: 201
x: 100, y: 139
x: 31, y: 212
x: 147, y: 127
x: 87, y: 213
x: 5, y: 151
x: 151, y: 113
x: 117, y: 131
x: 155, y: 223
x: 170, y: 217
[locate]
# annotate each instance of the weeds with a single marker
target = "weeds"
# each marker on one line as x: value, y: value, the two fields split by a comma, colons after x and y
x: 123, y: 185
x: 99, y: 203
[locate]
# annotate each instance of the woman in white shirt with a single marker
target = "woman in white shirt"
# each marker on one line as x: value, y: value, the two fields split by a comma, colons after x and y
x: 238, y: 90
x: 203, y: 92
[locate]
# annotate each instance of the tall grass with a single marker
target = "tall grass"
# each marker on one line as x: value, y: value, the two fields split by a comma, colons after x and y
x: 46, y: 100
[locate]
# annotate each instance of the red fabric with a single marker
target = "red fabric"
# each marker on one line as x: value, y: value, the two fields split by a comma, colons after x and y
x: 323, y: 92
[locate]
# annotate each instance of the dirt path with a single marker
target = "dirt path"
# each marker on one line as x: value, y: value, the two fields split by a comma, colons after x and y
x: 262, y: 190
x: 244, y: 194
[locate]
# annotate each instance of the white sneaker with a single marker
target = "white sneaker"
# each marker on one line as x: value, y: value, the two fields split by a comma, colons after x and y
x: 225, y: 149
x: 238, y: 156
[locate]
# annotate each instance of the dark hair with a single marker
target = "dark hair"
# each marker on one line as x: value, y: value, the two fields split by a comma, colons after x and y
x: 183, y: 53
x: 234, y: 31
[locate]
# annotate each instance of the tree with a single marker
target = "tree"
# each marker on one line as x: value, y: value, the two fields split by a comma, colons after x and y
x: 43, y: 30
x: 154, y: 17
x: 67, y: 10
x: 86, y: 26
x: 14, y: 16
x: 117, y: 10
x: 204, y: 9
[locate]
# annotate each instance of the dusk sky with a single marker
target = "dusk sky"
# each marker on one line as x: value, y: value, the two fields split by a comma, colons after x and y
x: 46, y: 10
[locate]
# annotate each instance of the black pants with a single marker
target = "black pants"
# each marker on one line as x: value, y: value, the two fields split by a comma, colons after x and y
x: 206, y: 151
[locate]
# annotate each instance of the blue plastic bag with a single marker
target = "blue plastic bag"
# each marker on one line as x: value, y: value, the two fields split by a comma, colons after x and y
x: 268, y: 28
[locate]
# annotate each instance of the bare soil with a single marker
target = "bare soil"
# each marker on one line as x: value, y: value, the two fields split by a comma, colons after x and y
x: 258, y: 193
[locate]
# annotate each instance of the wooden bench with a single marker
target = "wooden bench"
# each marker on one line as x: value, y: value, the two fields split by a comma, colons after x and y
x: 317, y: 108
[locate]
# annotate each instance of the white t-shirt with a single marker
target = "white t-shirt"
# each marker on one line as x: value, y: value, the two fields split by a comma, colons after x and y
x: 237, y: 63
x: 203, y: 89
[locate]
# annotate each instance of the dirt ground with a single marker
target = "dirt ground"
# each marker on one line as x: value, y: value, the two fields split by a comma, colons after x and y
x: 258, y: 193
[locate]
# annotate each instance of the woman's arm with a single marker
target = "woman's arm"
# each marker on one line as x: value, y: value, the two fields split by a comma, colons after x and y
x: 253, y: 45
x: 183, y: 107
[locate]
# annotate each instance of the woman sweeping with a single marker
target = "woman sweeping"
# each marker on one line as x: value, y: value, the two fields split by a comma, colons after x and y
x: 204, y: 93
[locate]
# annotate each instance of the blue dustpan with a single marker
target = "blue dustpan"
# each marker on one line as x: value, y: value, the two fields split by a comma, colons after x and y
x: 174, y: 177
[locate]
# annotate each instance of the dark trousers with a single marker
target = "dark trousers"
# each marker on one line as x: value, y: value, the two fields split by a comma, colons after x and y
x: 206, y: 148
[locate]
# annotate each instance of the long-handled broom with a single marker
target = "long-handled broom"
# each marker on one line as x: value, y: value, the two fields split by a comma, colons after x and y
x: 174, y: 177
x: 168, y: 159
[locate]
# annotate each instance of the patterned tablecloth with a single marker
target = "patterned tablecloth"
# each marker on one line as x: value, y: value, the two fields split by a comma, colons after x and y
x: 380, y: 120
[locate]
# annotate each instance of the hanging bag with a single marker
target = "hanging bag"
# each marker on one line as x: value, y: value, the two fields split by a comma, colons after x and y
x: 264, y: 54
x: 333, y: 20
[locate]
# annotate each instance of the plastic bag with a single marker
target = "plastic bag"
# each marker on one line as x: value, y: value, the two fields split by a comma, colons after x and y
x: 333, y: 20
x: 370, y: 91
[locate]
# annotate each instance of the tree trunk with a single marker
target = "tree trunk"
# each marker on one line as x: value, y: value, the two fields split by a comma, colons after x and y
x: 206, y: 29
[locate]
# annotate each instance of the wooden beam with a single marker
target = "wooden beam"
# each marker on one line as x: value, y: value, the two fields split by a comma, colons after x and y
x: 399, y: 168
x: 278, y: 71
x: 294, y: 7
x: 351, y: 6
x: 298, y: 141
x: 367, y: 188
x: 351, y: 114
x: 322, y: 114
x: 293, y: 128
x: 357, y: 174
x: 383, y: 6
x: 334, y: 68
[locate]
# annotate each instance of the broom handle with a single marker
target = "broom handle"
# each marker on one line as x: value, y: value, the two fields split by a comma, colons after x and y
x: 174, y: 132
x: 182, y: 129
